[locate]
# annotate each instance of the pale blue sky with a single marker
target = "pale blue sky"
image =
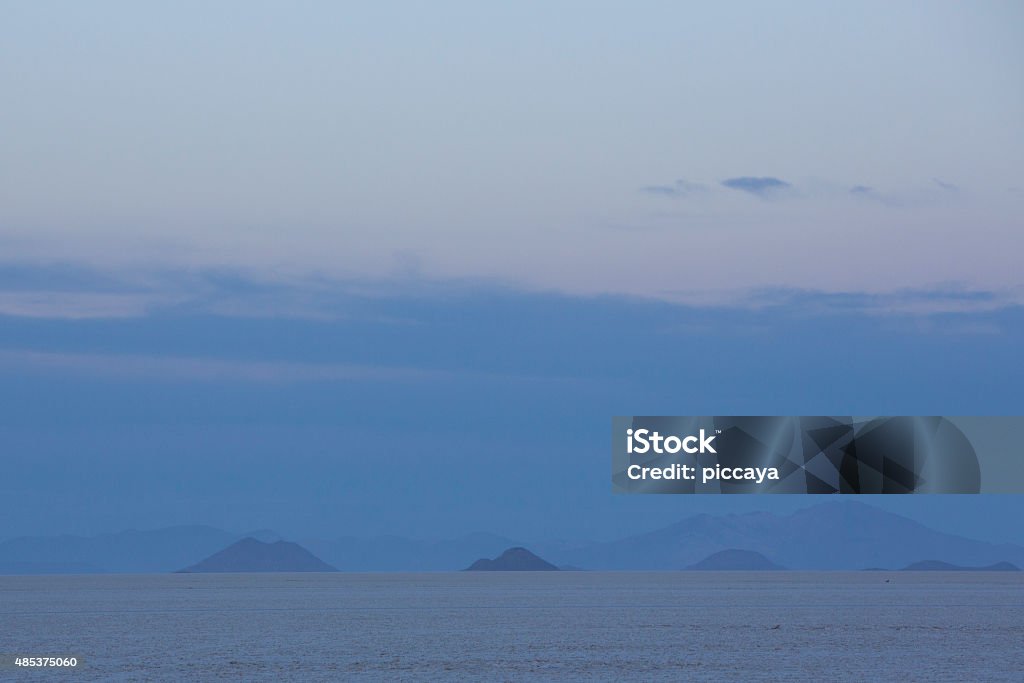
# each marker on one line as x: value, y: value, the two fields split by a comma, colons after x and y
x: 513, y: 142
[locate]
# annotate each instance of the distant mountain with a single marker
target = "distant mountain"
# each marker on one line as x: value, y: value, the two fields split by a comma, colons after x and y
x: 513, y: 560
x: 169, y: 549
x: 938, y: 566
x: 251, y: 555
x: 19, y: 567
x: 833, y: 535
x: 160, y: 550
x: 735, y: 560
x: 394, y: 553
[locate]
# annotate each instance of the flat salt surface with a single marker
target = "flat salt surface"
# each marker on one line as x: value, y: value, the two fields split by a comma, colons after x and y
x: 672, y: 626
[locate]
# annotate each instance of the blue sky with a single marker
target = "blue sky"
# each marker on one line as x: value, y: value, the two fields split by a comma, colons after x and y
x: 433, y: 409
x: 335, y: 269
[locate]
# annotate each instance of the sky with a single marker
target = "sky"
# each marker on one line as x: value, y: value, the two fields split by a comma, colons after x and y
x: 391, y: 268
x: 582, y: 147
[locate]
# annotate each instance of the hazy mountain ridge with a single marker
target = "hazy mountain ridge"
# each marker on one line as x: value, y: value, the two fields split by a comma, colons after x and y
x: 123, y: 552
x: 834, y: 535
x: 838, y: 535
x: 939, y: 566
x: 395, y: 553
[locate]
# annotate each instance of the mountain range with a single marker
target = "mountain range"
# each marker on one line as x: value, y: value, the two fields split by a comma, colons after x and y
x: 831, y: 536
x: 132, y: 552
x: 937, y: 566
x: 838, y: 535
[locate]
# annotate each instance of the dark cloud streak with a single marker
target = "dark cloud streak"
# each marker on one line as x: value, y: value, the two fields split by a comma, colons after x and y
x: 764, y: 186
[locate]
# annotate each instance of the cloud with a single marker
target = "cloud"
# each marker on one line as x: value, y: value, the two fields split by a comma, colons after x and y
x: 152, y: 367
x: 403, y: 303
x: 918, y: 196
x: 72, y: 293
x: 867, y: 193
x: 677, y: 190
x: 79, y: 305
x: 764, y: 186
x: 185, y: 369
x: 908, y: 302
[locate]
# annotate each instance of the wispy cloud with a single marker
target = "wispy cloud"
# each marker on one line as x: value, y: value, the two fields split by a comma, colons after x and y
x: 80, y: 305
x: 764, y: 186
x: 912, y: 302
x: 78, y: 294
x: 870, y: 194
x: 229, y: 295
x: 184, y: 369
x: 680, y: 189
x: 190, y: 369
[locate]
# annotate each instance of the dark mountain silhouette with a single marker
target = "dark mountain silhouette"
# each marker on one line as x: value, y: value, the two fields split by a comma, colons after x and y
x: 938, y: 566
x: 513, y: 560
x: 251, y: 555
x: 735, y: 560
